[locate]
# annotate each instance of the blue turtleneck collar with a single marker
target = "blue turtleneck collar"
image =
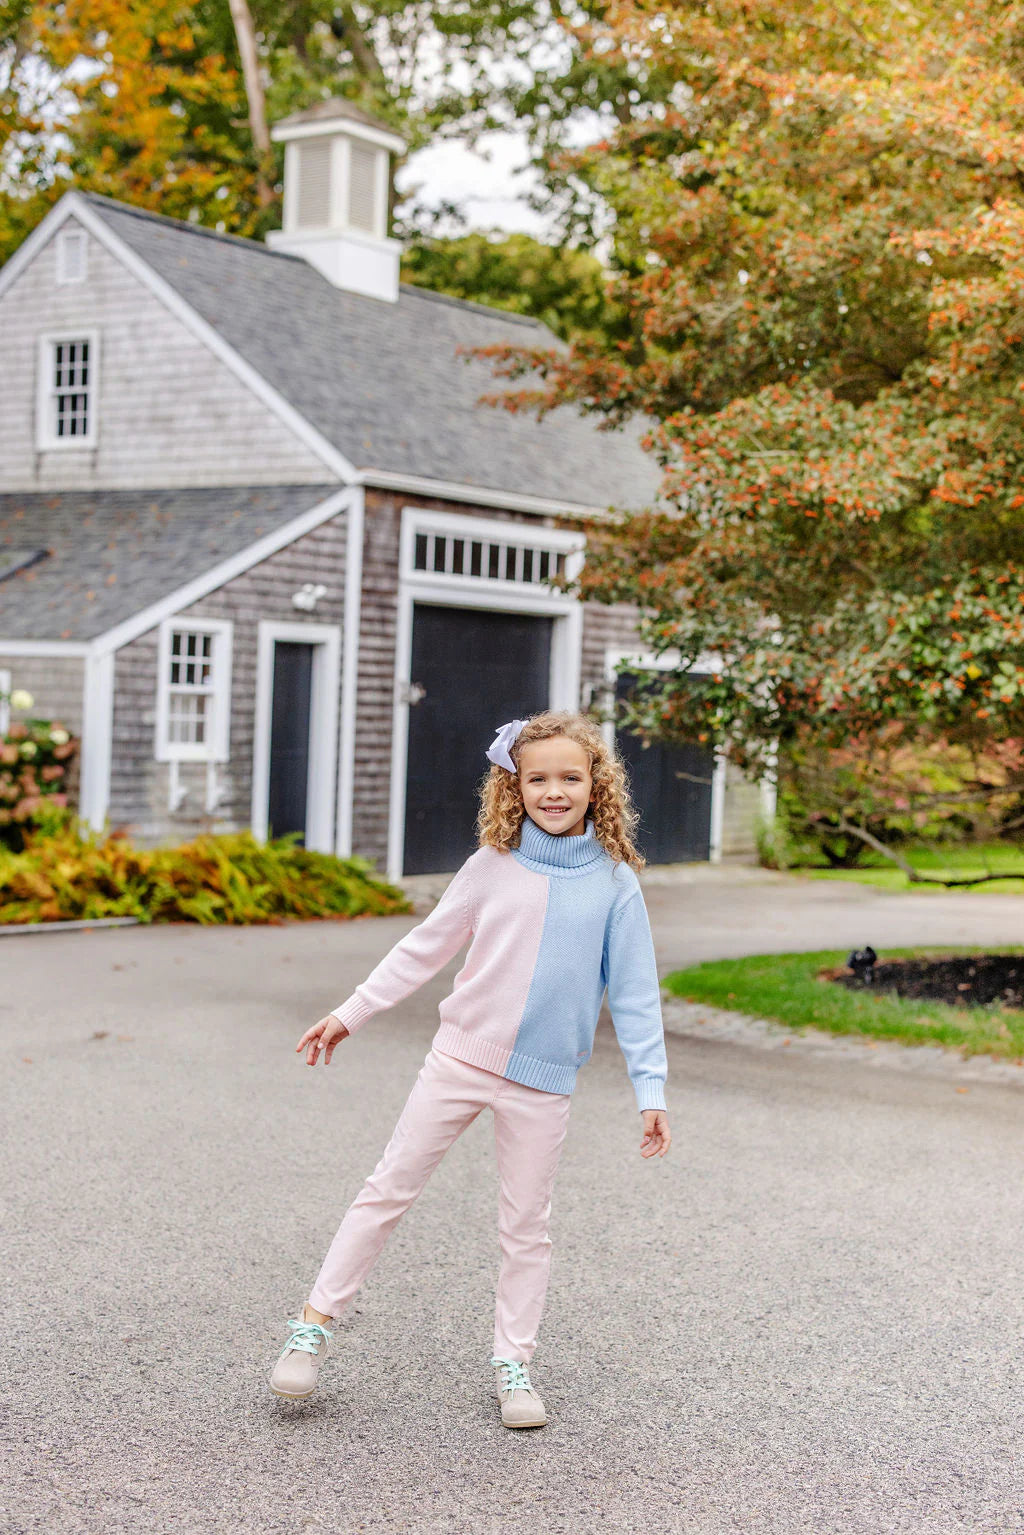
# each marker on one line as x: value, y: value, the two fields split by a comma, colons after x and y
x: 550, y: 854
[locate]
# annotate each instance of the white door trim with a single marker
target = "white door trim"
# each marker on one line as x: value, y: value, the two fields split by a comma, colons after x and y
x: 614, y: 656
x: 97, y: 738
x: 452, y: 591
x: 350, y: 674
x: 323, y: 727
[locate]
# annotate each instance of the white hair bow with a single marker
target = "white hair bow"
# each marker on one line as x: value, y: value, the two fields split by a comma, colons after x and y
x: 498, y: 751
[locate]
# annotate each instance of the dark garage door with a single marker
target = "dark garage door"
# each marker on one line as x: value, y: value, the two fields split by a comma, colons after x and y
x: 671, y: 787
x: 478, y: 669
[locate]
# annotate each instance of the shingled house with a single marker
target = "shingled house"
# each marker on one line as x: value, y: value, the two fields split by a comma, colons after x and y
x: 261, y: 545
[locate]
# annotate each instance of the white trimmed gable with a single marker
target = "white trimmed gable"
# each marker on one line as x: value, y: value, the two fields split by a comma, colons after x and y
x: 169, y: 411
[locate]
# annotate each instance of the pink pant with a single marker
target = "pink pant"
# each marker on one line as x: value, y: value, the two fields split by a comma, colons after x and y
x: 529, y: 1129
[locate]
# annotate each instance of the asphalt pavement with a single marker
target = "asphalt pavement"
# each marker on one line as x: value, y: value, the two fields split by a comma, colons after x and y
x: 807, y: 1317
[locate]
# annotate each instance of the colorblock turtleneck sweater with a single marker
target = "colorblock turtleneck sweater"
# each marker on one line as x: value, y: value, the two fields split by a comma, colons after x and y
x: 550, y: 926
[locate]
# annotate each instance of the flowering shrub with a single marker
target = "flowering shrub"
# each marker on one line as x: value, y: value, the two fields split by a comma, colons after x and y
x: 35, y: 756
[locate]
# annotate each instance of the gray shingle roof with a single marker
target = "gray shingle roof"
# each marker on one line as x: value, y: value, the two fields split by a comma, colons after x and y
x: 383, y: 382
x: 150, y: 541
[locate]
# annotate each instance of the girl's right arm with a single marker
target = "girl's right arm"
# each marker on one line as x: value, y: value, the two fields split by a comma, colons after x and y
x: 412, y: 961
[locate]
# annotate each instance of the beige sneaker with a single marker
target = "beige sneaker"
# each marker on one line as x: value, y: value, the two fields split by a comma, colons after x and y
x: 298, y: 1365
x: 521, y: 1407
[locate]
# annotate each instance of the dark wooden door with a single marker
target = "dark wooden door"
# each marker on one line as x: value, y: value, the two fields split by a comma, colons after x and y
x: 671, y: 787
x: 289, y: 738
x: 478, y: 669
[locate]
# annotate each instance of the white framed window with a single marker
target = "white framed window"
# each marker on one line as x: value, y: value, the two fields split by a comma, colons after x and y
x: 193, y: 705
x: 68, y: 390
x: 72, y: 256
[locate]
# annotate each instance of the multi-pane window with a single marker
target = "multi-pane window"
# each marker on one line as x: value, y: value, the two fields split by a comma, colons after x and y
x: 67, y: 395
x: 71, y: 388
x: 190, y: 688
x: 195, y: 691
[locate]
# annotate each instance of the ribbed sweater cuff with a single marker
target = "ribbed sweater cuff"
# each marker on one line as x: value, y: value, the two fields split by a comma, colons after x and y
x: 650, y: 1093
x: 353, y: 1013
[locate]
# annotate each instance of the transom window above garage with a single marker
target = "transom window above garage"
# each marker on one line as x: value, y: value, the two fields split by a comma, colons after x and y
x: 486, y: 559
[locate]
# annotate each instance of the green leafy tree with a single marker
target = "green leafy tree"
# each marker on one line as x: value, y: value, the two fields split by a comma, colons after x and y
x: 564, y: 287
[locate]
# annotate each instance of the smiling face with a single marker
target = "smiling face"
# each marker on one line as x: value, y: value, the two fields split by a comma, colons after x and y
x: 554, y: 777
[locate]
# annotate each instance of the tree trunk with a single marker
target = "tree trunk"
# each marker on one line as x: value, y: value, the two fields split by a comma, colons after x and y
x: 245, y: 34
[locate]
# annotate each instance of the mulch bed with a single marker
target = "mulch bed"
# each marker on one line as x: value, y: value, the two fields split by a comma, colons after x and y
x: 973, y: 980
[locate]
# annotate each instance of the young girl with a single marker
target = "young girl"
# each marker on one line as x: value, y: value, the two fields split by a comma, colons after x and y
x: 555, y: 915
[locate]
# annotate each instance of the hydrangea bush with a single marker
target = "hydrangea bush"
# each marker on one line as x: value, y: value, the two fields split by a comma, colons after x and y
x: 35, y: 758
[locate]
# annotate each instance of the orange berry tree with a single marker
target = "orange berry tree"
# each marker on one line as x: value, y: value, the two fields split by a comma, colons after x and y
x: 819, y: 239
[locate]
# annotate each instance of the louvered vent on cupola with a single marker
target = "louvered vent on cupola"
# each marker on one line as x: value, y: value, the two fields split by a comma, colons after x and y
x: 337, y: 178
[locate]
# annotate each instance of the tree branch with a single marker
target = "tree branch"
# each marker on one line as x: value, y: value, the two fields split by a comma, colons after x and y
x: 914, y: 877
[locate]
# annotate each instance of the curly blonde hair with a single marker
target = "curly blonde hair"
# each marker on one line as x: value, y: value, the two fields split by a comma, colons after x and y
x: 500, y: 817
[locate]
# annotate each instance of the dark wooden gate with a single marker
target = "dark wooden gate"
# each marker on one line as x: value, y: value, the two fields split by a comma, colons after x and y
x: 478, y: 669
x: 289, y: 738
x: 671, y: 787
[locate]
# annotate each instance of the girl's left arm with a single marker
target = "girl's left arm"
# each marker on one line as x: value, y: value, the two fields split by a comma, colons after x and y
x: 634, y: 997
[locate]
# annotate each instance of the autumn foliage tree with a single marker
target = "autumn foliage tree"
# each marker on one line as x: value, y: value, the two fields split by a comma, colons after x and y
x: 820, y: 244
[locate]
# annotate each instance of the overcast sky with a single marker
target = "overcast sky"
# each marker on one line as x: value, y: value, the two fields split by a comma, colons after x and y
x: 489, y: 184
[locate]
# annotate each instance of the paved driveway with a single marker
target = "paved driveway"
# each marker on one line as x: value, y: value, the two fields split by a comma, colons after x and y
x: 806, y: 1318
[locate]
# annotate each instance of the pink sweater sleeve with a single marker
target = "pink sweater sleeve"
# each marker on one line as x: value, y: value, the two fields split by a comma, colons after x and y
x: 416, y: 957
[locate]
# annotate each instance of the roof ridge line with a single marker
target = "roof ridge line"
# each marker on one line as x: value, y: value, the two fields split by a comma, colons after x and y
x: 438, y: 297
x: 100, y: 200
x: 186, y: 226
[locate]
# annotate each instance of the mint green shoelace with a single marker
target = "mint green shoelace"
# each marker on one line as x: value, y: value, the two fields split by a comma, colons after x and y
x: 304, y: 1336
x: 515, y: 1374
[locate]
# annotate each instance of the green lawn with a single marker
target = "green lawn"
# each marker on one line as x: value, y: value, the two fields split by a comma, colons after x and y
x: 786, y: 987
x: 985, y: 858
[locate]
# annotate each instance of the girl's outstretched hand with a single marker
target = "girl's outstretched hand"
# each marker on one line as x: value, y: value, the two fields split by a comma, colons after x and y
x: 657, y: 1135
x: 324, y: 1036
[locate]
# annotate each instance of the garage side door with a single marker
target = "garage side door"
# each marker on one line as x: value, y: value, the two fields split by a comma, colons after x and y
x: 671, y: 787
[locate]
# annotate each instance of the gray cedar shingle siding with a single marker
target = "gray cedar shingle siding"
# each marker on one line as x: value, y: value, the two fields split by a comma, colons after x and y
x: 384, y: 382
x: 55, y: 683
x: 139, y: 783
x: 170, y: 411
x: 604, y: 625
x: 378, y: 622
x: 113, y: 553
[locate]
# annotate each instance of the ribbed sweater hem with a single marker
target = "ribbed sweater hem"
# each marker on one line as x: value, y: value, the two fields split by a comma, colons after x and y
x: 471, y: 1048
x: 650, y: 1093
x: 528, y: 1070
x: 354, y: 1013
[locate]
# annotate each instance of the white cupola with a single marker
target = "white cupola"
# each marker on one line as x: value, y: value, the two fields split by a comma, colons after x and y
x: 337, y: 180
